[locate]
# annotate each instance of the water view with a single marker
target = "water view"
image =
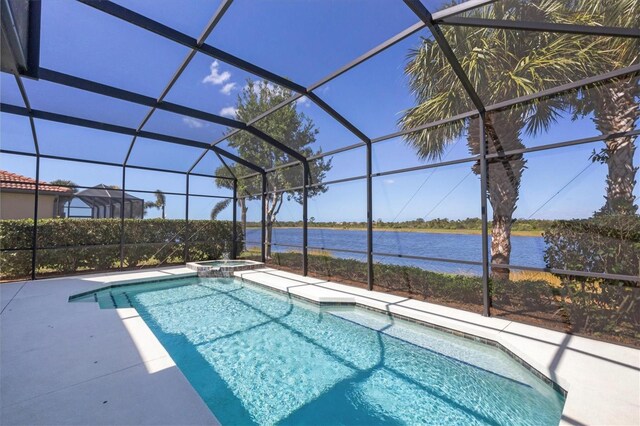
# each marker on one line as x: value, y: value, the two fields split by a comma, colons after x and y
x: 527, y: 251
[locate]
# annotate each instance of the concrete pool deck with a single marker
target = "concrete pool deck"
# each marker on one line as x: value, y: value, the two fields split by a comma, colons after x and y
x: 73, y: 363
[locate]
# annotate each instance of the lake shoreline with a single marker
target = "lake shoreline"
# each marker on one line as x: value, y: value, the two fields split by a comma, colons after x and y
x: 414, y: 230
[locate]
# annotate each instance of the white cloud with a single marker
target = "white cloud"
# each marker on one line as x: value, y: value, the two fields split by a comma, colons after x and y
x: 215, y: 77
x: 227, y: 88
x: 303, y: 101
x: 389, y: 181
x: 228, y: 112
x: 193, y: 123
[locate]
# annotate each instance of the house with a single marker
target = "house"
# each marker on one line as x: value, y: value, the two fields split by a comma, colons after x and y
x: 17, y: 197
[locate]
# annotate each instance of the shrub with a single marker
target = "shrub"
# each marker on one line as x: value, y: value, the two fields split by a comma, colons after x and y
x: 16, y: 234
x: 586, y: 306
x: 604, y: 243
x: 525, y: 295
x: 69, y: 245
x: 453, y: 288
x: 602, y: 308
x: 16, y: 264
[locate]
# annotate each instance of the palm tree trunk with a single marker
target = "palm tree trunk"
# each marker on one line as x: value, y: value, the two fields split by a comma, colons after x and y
x: 616, y: 112
x: 243, y: 217
x: 503, y: 180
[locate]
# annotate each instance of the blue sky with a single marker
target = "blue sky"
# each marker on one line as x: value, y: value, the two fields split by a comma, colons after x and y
x: 303, y: 41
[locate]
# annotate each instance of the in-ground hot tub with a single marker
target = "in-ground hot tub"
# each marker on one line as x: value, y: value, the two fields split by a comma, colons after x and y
x: 222, y: 268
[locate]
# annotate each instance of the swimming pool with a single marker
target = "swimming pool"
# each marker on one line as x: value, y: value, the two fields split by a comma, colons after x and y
x: 258, y: 357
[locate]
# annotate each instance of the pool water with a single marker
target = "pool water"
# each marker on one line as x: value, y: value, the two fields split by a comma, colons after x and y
x: 258, y: 357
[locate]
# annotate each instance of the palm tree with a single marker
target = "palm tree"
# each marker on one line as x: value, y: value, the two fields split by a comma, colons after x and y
x: 502, y: 64
x: 159, y: 203
x: 614, y: 104
x: 615, y: 110
x: 219, y: 207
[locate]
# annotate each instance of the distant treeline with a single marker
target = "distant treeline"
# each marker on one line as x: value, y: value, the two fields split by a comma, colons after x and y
x: 471, y: 223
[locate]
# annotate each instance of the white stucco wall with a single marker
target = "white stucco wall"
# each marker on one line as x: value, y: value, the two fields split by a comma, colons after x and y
x: 15, y: 205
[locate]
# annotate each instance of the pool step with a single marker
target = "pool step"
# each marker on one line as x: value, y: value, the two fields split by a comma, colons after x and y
x: 110, y: 300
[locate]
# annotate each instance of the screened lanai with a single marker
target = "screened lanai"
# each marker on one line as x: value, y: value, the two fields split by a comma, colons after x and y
x: 477, y: 154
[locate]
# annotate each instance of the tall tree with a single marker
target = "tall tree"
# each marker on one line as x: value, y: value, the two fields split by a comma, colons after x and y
x: 502, y: 64
x: 613, y: 105
x: 64, y: 199
x: 287, y: 125
x: 160, y: 202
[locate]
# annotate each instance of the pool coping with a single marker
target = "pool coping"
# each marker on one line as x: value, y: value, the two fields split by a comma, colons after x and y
x: 126, y: 283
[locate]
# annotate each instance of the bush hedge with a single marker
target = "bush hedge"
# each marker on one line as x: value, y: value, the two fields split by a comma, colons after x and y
x: 453, y: 288
x: 70, y: 245
x: 599, y: 310
x: 603, y: 243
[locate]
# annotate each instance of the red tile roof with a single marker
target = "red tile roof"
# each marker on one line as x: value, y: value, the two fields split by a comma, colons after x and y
x: 14, y: 181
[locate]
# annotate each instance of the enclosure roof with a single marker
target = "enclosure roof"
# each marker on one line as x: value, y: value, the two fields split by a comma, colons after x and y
x: 104, y: 191
x: 14, y: 182
x: 135, y: 72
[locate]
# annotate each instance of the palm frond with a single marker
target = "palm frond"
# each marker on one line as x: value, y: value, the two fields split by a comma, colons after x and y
x: 219, y: 207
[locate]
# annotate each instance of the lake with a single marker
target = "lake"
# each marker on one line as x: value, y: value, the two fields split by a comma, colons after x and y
x: 526, y: 251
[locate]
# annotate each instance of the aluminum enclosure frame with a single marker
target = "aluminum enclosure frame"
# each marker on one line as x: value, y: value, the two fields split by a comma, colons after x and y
x: 449, y: 16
